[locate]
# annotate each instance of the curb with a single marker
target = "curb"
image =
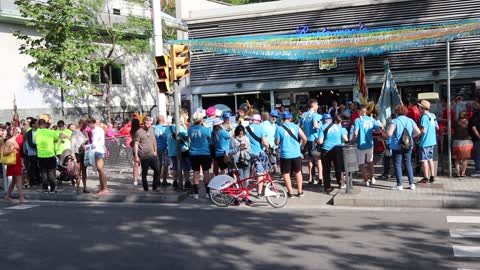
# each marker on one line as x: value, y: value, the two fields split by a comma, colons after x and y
x: 343, y: 200
x: 113, y: 197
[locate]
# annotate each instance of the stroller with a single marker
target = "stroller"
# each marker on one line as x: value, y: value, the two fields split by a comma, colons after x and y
x: 68, y: 168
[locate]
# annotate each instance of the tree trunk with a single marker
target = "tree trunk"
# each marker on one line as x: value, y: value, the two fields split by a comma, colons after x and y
x: 108, y: 87
x: 62, y: 100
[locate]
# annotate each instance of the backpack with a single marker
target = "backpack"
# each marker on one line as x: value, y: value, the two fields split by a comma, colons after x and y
x: 405, y: 140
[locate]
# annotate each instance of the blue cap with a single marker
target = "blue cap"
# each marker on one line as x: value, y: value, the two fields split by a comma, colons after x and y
x: 227, y: 114
x: 286, y: 115
x: 274, y: 113
x: 326, y: 116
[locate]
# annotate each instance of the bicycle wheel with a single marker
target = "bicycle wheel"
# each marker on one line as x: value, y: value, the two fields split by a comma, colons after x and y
x: 220, y: 199
x: 280, y: 200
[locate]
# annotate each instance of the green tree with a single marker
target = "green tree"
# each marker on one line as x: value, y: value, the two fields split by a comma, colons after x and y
x: 62, y: 53
x: 81, y: 38
x: 244, y: 2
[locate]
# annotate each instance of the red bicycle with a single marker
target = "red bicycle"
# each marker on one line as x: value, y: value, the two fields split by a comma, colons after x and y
x: 224, y: 189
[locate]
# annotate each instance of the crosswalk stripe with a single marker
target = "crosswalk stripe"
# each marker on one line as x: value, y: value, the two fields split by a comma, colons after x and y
x: 463, y: 219
x: 466, y: 251
x: 459, y: 233
x: 22, y: 207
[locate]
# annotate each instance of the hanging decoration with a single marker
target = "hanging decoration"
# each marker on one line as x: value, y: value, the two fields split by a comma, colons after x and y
x: 389, y: 97
x: 337, y: 44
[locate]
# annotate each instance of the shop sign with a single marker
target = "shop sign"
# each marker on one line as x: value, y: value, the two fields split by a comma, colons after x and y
x: 305, y: 29
x: 327, y: 64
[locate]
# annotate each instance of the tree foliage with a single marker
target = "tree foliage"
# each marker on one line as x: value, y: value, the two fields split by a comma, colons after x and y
x: 244, y: 2
x: 80, y: 38
x: 63, y: 52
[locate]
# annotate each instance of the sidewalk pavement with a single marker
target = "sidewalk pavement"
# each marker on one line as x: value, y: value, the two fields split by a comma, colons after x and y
x: 121, y: 189
x: 444, y: 193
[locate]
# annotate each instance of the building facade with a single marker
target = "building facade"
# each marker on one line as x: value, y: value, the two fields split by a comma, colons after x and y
x: 133, y: 80
x: 232, y: 80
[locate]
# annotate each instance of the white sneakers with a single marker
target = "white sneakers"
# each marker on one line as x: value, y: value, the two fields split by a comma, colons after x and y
x: 196, y: 196
x: 412, y: 186
x: 373, y: 181
x: 399, y: 188
x: 207, y: 196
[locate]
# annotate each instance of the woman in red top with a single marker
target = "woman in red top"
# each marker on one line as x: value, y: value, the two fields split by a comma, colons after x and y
x: 14, y: 145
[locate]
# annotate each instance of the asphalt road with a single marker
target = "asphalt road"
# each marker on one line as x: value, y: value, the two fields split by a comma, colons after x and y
x: 80, y: 236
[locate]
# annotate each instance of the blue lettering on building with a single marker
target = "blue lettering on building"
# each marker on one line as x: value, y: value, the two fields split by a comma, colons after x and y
x: 305, y: 29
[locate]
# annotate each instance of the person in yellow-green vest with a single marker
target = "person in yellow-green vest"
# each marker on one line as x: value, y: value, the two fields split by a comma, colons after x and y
x: 64, y: 138
x: 45, y: 140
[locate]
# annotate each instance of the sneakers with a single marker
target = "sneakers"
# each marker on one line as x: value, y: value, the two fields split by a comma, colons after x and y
x: 207, y: 196
x: 412, y: 186
x: 289, y: 195
x: 175, y: 184
x: 373, y: 181
x: 196, y: 196
x: 477, y: 174
x: 343, y: 186
x: 367, y: 183
x: 431, y: 180
x: 300, y: 194
x: 165, y: 184
x: 399, y: 188
x: 383, y: 177
x: 424, y: 181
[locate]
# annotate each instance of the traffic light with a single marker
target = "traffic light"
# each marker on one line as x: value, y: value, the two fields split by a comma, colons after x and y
x: 163, y: 73
x: 180, y: 56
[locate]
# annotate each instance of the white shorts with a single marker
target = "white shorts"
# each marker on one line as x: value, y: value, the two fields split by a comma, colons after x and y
x: 365, y: 156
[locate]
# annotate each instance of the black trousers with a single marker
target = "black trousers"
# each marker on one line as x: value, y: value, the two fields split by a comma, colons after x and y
x: 47, y: 172
x: 33, y: 170
x: 329, y: 157
x: 151, y: 162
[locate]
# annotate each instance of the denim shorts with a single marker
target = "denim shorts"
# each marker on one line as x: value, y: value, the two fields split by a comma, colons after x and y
x: 426, y: 153
x: 99, y: 155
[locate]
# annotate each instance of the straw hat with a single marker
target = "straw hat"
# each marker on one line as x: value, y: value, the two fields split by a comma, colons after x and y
x: 424, y: 104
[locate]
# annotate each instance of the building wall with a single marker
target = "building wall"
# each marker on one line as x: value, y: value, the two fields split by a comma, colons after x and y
x: 137, y: 90
x: 216, y: 73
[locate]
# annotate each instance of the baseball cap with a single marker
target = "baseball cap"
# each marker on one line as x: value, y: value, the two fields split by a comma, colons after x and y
x: 274, y: 113
x: 217, y: 122
x: 211, y: 111
x: 286, y: 115
x: 256, y: 117
x: 227, y: 114
x: 326, y: 116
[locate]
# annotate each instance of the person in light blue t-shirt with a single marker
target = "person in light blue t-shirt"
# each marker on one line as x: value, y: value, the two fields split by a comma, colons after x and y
x: 221, y: 140
x: 428, y: 140
x: 330, y: 136
x: 310, y: 123
x: 172, y: 153
x: 162, y: 151
x: 363, y: 133
x: 200, y: 139
x: 258, y: 140
x: 290, y: 154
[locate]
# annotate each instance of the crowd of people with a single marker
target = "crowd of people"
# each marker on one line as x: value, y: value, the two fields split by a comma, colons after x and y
x: 247, y: 142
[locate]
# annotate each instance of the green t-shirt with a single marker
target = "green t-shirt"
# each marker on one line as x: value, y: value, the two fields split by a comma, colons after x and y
x: 45, y: 140
x: 64, y: 143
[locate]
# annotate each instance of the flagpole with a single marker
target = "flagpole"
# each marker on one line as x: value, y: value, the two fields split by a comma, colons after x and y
x: 449, y: 115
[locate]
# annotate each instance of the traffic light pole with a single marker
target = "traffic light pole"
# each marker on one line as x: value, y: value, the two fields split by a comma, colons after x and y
x: 158, y: 49
x: 177, y: 105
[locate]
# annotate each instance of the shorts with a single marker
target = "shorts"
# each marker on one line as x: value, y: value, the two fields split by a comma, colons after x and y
x: 186, y: 164
x: 258, y: 165
x: 162, y: 157
x: 99, y: 155
x: 365, y: 156
x: 290, y: 165
x: 204, y: 162
x: 221, y: 163
x: 426, y: 153
x: 47, y: 163
x: 307, y: 149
